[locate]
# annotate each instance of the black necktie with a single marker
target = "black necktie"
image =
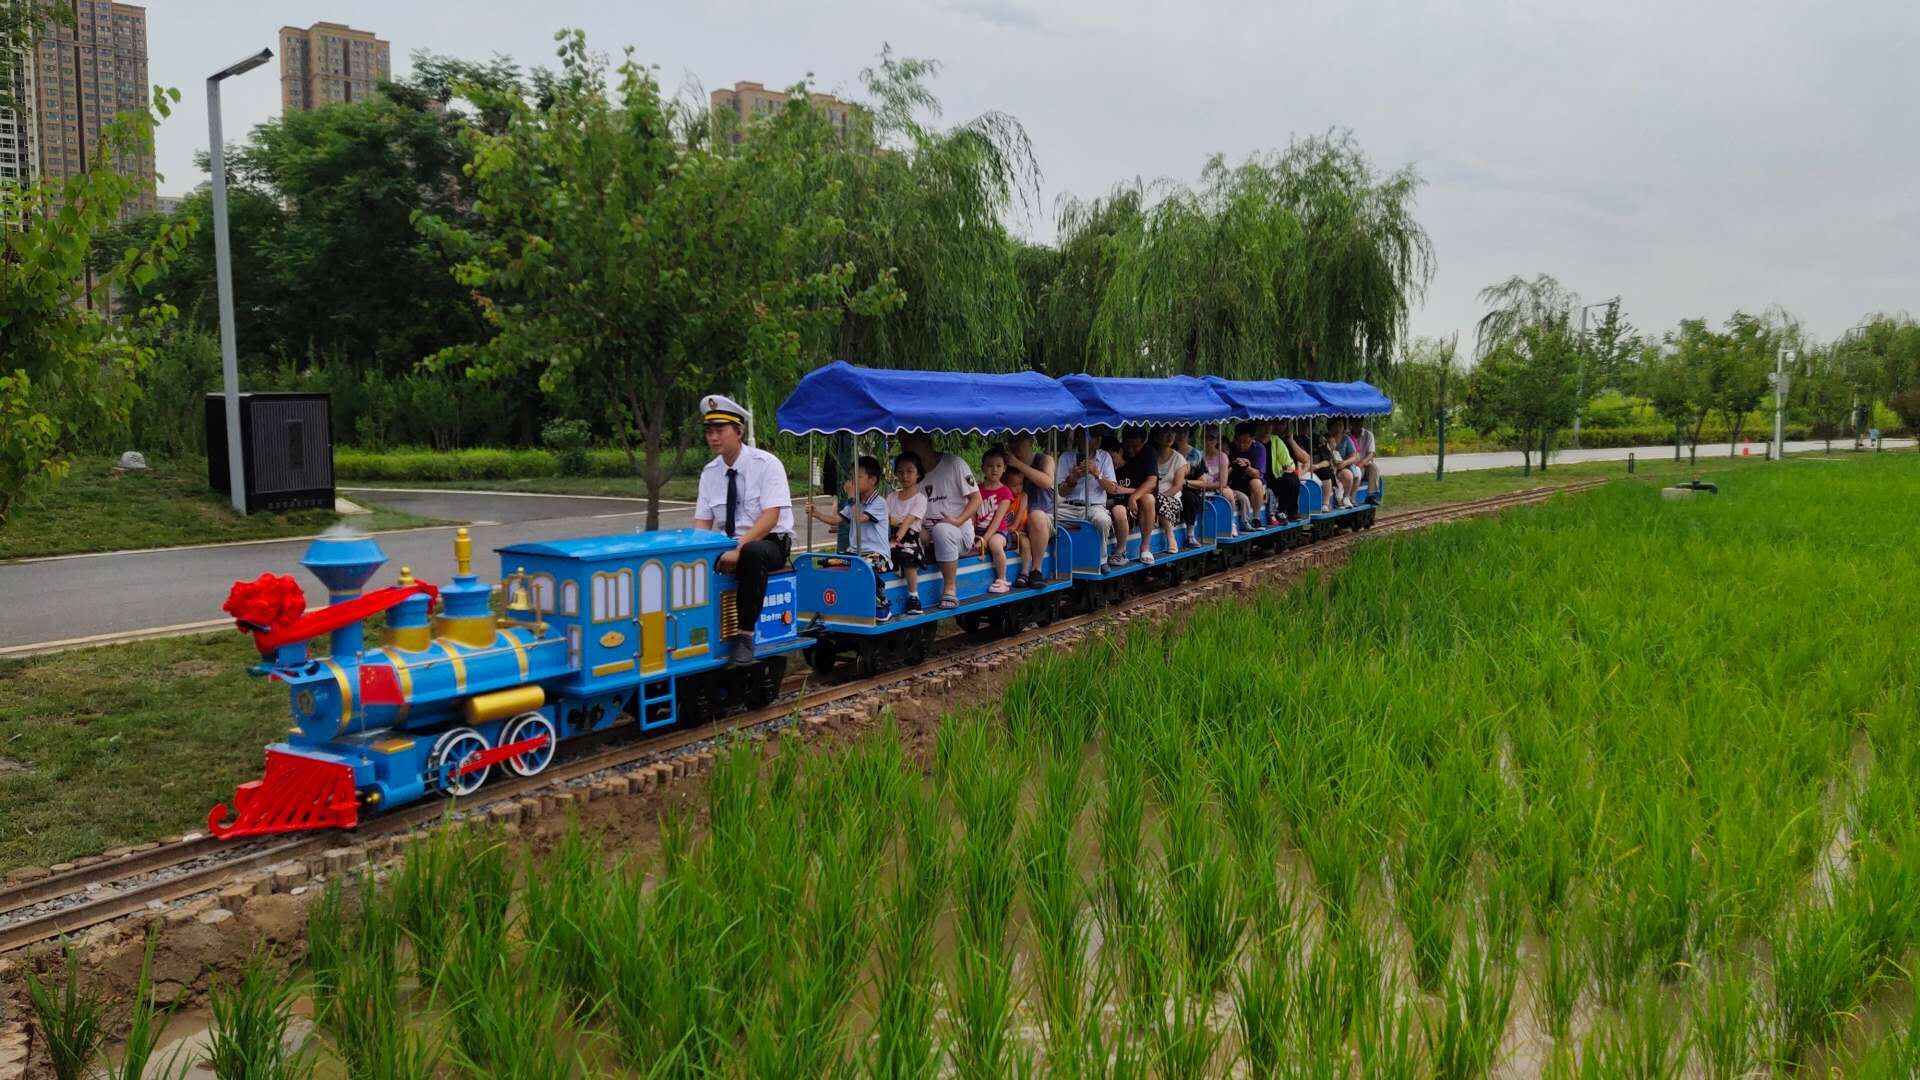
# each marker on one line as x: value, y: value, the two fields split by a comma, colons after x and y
x: 733, y: 497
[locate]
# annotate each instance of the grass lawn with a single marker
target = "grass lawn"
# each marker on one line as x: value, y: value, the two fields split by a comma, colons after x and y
x: 165, y: 506
x: 680, y: 488
x: 119, y: 745
x: 1655, y: 468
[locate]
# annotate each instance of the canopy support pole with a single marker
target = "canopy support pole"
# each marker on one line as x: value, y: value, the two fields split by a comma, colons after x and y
x: 810, y: 475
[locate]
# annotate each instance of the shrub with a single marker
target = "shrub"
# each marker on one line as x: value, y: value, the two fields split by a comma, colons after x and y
x: 568, y: 440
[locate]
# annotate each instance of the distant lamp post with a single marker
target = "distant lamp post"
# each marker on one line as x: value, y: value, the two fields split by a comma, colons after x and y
x: 1782, y: 362
x: 223, y: 276
x: 1853, y: 411
x: 1607, y: 303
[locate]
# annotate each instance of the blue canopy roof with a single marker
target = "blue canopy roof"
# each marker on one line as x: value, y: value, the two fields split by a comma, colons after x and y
x: 1348, y: 398
x: 1115, y: 402
x: 1270, y: 399
x: 841, y: 398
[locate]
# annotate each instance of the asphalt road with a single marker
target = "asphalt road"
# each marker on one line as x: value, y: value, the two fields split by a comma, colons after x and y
x: 48, y: 603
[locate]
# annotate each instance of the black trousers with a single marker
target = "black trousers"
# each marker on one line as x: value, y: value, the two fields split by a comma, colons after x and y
x: 1286, y: 491
x: 757, y: 560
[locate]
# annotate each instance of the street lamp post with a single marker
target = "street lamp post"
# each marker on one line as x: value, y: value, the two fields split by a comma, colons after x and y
x: 1609, y: 302
x: 1781, y: 361
x: 223, y: 277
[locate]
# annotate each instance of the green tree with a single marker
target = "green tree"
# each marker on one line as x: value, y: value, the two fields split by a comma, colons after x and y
x: 645, y: 266
x: 1528, y: 385
x: 66, y: 371
x: 1822, y: 388
x: 1737, y: 378
x: 1065, y: 284
x: 1425, y: 383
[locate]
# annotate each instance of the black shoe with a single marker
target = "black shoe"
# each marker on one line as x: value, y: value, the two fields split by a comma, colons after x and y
x: 883, y: 613
x: 913, y: 605
x: 741, y: 655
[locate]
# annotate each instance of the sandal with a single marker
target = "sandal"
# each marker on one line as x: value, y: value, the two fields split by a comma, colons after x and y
x: 949, y: 600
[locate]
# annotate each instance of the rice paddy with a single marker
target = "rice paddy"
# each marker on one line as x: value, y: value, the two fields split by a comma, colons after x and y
x: 1607, y: 787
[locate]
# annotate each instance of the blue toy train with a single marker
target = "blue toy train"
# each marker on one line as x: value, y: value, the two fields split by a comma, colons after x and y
x: 605, y: 630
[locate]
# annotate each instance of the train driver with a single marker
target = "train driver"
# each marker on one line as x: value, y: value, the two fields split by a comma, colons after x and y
x: 743, y: 493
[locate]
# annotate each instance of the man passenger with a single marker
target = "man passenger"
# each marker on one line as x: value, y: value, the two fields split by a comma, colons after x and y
x: 1086, y: 479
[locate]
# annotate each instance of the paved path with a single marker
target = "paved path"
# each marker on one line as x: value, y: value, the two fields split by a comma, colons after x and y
x: 1510, y: 459
x: 50, y: 603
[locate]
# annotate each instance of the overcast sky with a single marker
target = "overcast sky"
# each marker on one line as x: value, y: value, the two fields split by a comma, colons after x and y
x: 1692, y: 157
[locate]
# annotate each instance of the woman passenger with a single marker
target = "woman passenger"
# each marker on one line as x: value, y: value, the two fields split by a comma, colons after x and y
x: 1170, y: 466
x: 1032, y: 471
x: 1138, y: 475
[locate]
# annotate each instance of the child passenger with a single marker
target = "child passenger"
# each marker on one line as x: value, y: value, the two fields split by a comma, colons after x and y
x: 906, y: 509
x: 866, y: 509
x: 994, y: 522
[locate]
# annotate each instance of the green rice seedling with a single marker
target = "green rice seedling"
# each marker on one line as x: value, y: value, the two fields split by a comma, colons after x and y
x: 982, y: 1007
x: 487, y: 872
x: 505, y: 1024
x: 1056, y: 901
x: 145, y: 1027
x: 1122, y: 889
x: 566, y: 897
x: 904, y: 1043
x: 1643, y: 1042
x: 1340, y: 864
x: 1358, y: 966
x: 1463, y: 1031
x: 1385, y: 1043
x: 426, y: 892
x: 1821, y: 973
x: 1431, y: 920
x: 1200, y: 886
x: 70, y: 1018
x: 373, y: 1034
x: 1722, y: 1012
x: 1895, y: 1055
x: 1316, y: 1045
x: 1263, y: 1000
x: 1184, y: 1041
x: 329, y: 941
x: 1881, y: 897
x: 1559, y: 975
x: 248, y: 1036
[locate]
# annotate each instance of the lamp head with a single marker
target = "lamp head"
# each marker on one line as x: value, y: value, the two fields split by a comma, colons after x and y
x: 243, y: 66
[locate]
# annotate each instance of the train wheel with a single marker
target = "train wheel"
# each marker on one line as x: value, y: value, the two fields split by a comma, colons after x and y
x: 920, y: 644
x: 866, y: 658
x: 765, y: 685
x: 968, y: 621
x: 530, y: 726
x: 449, y: 751
x: 822, y: 656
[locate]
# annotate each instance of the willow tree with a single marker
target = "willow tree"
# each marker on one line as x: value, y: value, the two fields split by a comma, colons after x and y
x: 1066, y: 283
x: 1305, y: 262
x: 921, y: 208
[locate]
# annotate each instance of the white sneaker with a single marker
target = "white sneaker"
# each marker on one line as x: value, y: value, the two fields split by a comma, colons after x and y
x: 1146, y: 558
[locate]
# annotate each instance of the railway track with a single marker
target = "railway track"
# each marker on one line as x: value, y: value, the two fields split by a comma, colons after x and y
x: 151, y: 879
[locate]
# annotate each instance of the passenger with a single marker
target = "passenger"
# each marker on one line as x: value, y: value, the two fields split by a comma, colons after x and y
x: 1193, y: 494
x: 994, y: 521
x: 866, y: 510
x: 1086, y: 481
x: 1292, y: 462
x: 1033, y: 471
x: 1365, y: 447
x: 1324, y: 457
x: 1169, y: 492
x: 1218, y: 469
x: 744, y: 490
x: 1345, y: 474
x: 1139, y: 475
x: 1249, y: 461
x: 953, y: 498
x: 906, y: 509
